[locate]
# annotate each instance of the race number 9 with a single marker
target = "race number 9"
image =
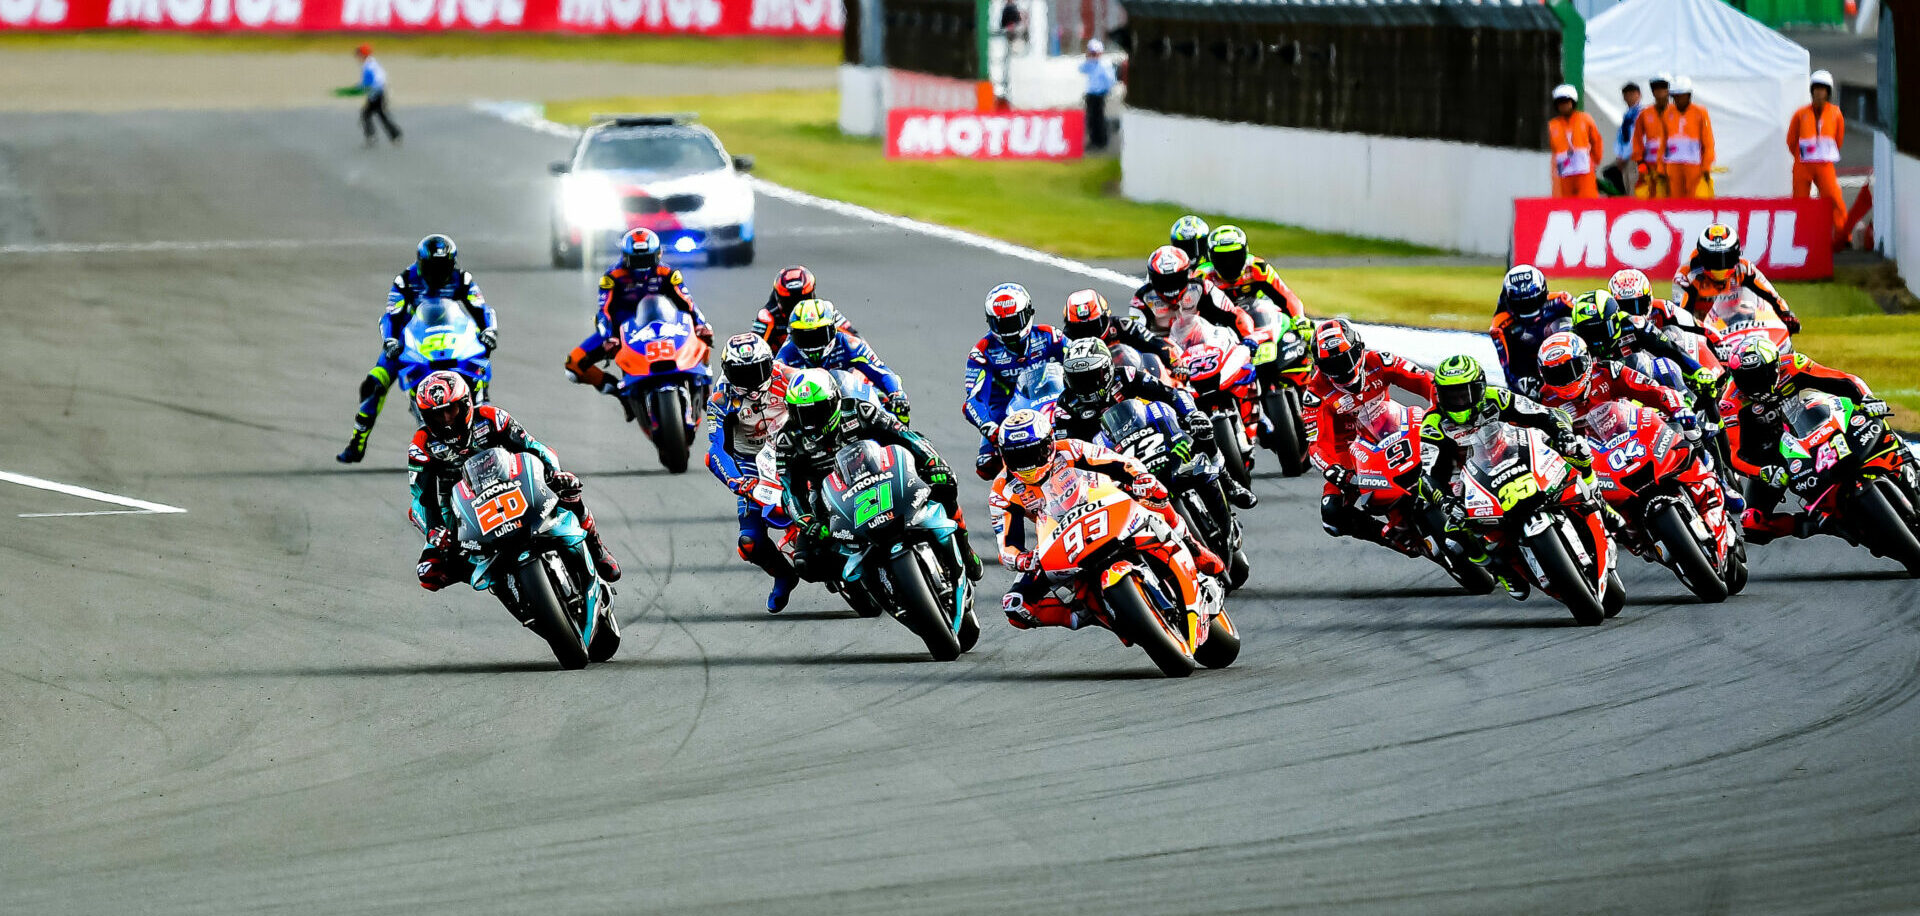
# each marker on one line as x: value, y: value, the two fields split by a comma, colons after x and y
x: 500, y: 510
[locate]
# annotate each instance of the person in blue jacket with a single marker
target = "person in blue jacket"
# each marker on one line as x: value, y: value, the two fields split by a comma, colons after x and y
x: 1012, y: 345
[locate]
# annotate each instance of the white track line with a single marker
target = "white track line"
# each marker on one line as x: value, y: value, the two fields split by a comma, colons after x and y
x: 135, y: 506
x: 1425, y: 345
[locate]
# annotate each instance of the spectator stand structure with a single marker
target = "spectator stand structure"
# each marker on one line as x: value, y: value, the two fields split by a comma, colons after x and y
x: 1419, y: 121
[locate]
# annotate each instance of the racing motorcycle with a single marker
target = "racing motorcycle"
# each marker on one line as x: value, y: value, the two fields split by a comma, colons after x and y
x: 1120, y: 561
x: 1732, y: 319
x: 1150, y: 433
x: 1672, y: 504
x: 442, y: 335
x: 1387, y: 473
x: 1523, y: 498
x: 900, y: 552
x: 1282, y: 360
x: 1221, y: 375
x: 1853, y: 474
x: 531, y: 554
x: 667, y: 380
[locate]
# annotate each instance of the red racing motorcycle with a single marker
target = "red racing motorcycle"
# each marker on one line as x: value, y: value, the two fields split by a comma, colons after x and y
x: 1673, y: 505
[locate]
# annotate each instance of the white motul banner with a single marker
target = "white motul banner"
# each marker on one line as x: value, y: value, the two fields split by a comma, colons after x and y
x: 917, y: 133
x: 1787, y: 239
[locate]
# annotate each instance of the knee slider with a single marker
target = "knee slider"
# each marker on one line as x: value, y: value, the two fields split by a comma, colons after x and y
x: 746, y: 547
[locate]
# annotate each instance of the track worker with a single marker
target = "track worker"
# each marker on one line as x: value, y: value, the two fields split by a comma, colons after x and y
x: 1577, y: 147
x: 1650, y: 141
x: 1690, y: 153
x: 1622, y: 163
x: 1100, y: 81
x: 373, y: 86
x: 1814, y: 135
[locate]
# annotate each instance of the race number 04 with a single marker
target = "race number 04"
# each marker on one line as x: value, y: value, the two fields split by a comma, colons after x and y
x: 500, y: 510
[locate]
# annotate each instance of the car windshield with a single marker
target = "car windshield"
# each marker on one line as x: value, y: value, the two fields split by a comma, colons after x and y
x: 662, y: 153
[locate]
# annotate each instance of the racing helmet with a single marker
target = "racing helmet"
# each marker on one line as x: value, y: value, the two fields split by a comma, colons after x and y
x: 1718, y: 251
x: 747, y: 362
x: 1189, y: 234
x: 1227, y: 249
x: 1089, y: 371
x: 437, y: 260
x: 1524, y: 293
x: 1010, y: 315
x: 1087, y: 315
x: 1459, y: 385
x: 1756, y: 367
x: 1632, y: 290
x: 1565, y: 366
x: 1168, y: 269
x: 793, y: 286
x: 445, y: 403
x: 1596, y: 318
x: 1026, y: 445
x: 640, y: 250
x: 813, y: 400
x: 812, y: 328
x: 1340, y: 354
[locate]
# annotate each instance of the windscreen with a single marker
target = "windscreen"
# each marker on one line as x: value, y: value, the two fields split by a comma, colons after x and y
x: 1379, y: 420
x: 1497, y: 444
x: 1040, y: 382
x: 860, y: 459
x: 439, y: 324
x: 1124, y: 419
x: 1611, y: 420
x: 1806, y: 413
x: 664, y: 153
x: 658, y: 308
x: 487, y: 469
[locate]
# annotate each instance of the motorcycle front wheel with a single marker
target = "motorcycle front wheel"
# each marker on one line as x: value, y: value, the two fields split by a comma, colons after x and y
x: 918, y: 609
x: 550, y: 617
x: 1882, y: 529
x: 1690, y: 563
x: 1222, y: 645
x: 1564, y: 576
x: 666, y: 409
x: 1289, y: 440
x: 1226, y: 433
x: 1134, y: 616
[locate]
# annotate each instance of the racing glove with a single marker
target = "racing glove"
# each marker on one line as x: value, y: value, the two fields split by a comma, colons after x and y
x: 489, y: 339
x: 1773, y: 475
x: 610, y: 385
x: 1146, y: 489
x: 1025, y: 561
x: 440, y: 539
x: 1789, y: 319
x: 1337, y: 474
x: 391, y: 347
x: 565, y: 485
x: 938, y: 474
x: 705, y: 333
x: 1689, y: 423
x: 1199, y: 426
x: 898, y: 406
x: 743, y: 485
x: 988, y: 431
x: 1016, y: 610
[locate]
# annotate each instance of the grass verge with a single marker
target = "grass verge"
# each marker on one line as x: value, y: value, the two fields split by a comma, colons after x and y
x: 639, y: 49
x: 1070, y: 208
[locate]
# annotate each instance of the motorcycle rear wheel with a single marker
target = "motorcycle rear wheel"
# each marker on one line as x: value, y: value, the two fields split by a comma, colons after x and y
x: 1551, y: 552
x: 1289, y: 440
x: 1222, y: 645
x: 1227, y: 435
x: 1134, y: 617
x: 1883, y: 530
x: 1690, y: 563
x: 918, y: 609
x: 667, y: 409
x: 550, y: 617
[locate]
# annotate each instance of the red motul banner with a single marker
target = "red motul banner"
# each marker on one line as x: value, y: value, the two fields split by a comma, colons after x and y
x: 1786, y: 239
x: 705, y: 17
x: 917, y: 133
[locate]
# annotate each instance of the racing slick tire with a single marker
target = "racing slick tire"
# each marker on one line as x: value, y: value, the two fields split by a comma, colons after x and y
x: 1222, y: 645
x: 1289, y: 439
x: 1616, y: 599
x: 1696, y: 572
x: 666, y: 407
x: 1736, y: 578
x: 550, y: 617
x: 1227, y: 436
x: 1556, y: 561
x: 1883, y: 531
x: 1134, y: 617
x: 918, y: 608
x: 606, y: 639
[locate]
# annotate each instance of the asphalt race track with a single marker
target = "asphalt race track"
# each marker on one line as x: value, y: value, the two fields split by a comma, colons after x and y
x: 252, y: 707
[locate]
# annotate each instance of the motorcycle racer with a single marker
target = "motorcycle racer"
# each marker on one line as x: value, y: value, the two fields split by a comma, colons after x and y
x: 1631, y: 289
x: 1088, y: 317
x: 1012, y: 345
x: 1236, y: 272
x: 1033, y: 457
x: 1763, y: 379
x: 639, y: 274
x: 1189, y: 234
x: 1614, y: 336
x: 1092, y: 383
x: 1171, y: 290
x: 742, y: 416
x: 452, y: 430
x: 1574, y: 381
x: 434, y: 274
x: 791, y: 287
x: 820, y: 421
x: 1715, y: 270
x: 818, y: 341
x: 1346, y: 377
x: 1463, y: 402
x: 1525, y: 314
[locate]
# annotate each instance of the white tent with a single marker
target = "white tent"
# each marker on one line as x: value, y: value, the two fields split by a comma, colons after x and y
x: 1749, y: 78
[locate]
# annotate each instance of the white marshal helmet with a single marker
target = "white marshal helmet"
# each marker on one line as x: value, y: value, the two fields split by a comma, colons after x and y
x: 1821, y: 78
x: 1682, y: 85
x: 1566, y: 91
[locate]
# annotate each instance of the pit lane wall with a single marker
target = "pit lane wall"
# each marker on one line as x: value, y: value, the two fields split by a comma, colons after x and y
x: 702, y: 17
x: 1906, y: 217
x: 1457, y: 196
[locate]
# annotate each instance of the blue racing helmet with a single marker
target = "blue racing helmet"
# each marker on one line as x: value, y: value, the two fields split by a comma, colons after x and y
x: 640, y: 250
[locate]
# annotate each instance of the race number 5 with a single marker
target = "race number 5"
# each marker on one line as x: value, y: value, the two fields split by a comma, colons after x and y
x: 500, y: 510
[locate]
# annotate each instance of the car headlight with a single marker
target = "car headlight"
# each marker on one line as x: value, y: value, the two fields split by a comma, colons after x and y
x: 729, y: 204
x: 590, y: 203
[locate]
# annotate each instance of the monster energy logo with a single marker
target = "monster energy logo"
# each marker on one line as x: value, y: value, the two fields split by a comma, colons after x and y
x: 1183, y: 449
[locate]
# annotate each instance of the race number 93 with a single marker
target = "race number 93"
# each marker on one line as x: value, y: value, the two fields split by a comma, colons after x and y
x: 1088, y: 530
x: 500, y: 510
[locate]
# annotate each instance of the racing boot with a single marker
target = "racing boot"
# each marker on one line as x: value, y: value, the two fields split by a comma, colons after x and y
x: 975, y: 570
x: 1241, y: 497
x: 603, y: 561
x: 1763, y: 527
x: 781, y: 592
x: 356, y: 446
x: 1204, y: 559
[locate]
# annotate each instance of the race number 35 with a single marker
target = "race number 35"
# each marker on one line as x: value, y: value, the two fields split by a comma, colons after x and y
x: 500, y: 510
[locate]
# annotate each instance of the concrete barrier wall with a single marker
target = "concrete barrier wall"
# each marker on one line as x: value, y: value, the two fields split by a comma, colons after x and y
x: 1905, y: 217
x: 1430, y: 192
x: 863, y: 110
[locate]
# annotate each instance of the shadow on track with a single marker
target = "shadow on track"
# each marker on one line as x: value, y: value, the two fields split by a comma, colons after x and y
x: 750, y: 616
x: 532, y: 665
x: 1119, y: 674
x: 1344, y: 594
x: 1440, y: 625
x: 1860, y: 575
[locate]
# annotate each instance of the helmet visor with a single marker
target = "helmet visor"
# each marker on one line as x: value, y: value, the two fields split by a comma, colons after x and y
x: 1092, y: 328
x: 1562, y: 375
x: 1527, y: 306
x: 1168, y: 284
x: 752, y: 376
x: 813, y: 341
x: 1755, y: 380
x: 1636, y: 305
x: 1089, y: 379
x: 1339, y: 368
x: 1010, y: 326
x: 1028, y: 461
x: 816, y: 414
x: 436, y: 271
x: 642, y: 260
x: 1230, y: 263
x: 1457, y: 401
x: 1724, y: 259
x: 445, y: 422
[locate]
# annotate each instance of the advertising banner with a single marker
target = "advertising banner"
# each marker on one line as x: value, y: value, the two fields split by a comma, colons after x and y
x: 1787, y: 239
x: 918, y: 133
x: 699, y: 17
